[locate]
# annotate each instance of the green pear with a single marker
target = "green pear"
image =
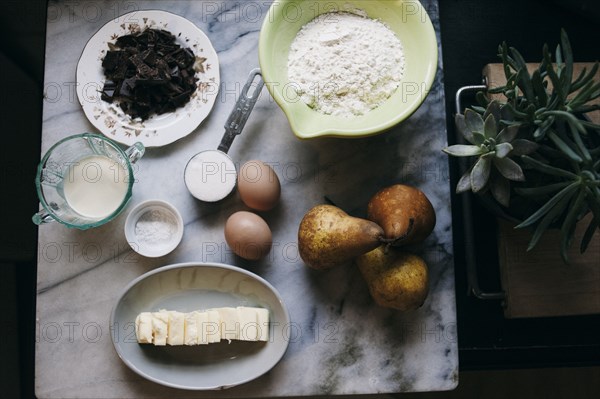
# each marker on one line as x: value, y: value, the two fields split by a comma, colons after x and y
x: 396, y: 279
x: 329, y: 237
x: 404, y: 212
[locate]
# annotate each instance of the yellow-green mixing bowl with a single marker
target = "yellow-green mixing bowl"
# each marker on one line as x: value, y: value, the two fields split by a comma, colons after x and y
x: 407, y: 18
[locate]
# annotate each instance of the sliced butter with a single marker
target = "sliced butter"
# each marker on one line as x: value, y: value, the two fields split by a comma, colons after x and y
x: 262, y: 316
x: 202, y: 327
x: 230, y: 323
x: 212, y: 328
x: 176, y: 330
x: 254, y: 323
x: 160, y: 327
x: 191, y: 329
x: 143, y: 328
x: 202, y: 323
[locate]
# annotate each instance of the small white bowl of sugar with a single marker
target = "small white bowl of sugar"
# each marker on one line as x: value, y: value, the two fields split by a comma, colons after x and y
x: 154, y: 228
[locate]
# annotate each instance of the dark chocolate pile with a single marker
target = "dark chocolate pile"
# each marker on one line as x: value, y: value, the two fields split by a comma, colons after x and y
x: 148, y: 73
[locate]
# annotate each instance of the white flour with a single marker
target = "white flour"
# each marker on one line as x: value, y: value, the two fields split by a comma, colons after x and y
x: 345, y: 64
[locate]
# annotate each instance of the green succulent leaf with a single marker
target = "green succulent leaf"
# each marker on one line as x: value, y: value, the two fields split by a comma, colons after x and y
x: 584, y: 77
x: 497, y: 90
x: 505, y: 113
x: 464, y: 184
x: 524, y: 82
x: 480, y: 173
x: 503, y: 149
x: 507, y: 134
x: 541, y: 130
x: 558, y: 89
x: 554, y: 101
x: 583, y: 150
x: 459, y: 122
x: 568, y: 227
x: 478, y: 137
x: 493, y: 108
x: 541, y: 190
x: 545, y: 168
x: 474, y: 121
x: 567, y: 74
x: 590, y: 125
x: 519, y: 61
x: 506, y: 60
x: 490, y: 129
x: 584, y: 109
x: 539, y: 88
x: 547, y: 220
x: 509, y: 169
x: 585, y: 94
x: 482, y: 99
x: 589, y: 177
x: 463, y: 150
x: 537, y: 215
x: 568, y: 117
x: 563, y: 146
x: 500, y: 189
x: 523, y: 147
x: 559, y: 59
x: 461, y: 126
x: 531, y: 111
x: 515, y: 113
x: 589, y: 234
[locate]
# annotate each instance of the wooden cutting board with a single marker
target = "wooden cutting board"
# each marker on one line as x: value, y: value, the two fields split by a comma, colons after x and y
x: 538, y: 283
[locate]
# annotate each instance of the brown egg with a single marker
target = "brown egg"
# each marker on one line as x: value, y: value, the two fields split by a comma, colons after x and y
x: 258, y: 185
x: 248, y: 235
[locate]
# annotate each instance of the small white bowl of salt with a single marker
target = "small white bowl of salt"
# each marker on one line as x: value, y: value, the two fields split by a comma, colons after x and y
x: 154, y: 228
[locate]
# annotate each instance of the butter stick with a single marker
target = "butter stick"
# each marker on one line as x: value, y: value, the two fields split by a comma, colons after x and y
x: 202, y: 327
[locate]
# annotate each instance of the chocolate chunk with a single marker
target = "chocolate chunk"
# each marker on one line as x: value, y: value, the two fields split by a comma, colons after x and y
x: 147, y: 73
x: 111, y: 60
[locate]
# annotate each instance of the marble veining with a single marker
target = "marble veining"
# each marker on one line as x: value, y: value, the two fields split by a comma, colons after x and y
x: 340, y: 342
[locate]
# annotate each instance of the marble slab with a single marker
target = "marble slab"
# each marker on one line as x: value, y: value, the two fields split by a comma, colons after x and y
x: 343, y: 343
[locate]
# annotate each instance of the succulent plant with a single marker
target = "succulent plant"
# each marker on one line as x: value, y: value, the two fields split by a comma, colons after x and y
x: 549, y: 93
x: 494, y: 145
x: 534, y: 133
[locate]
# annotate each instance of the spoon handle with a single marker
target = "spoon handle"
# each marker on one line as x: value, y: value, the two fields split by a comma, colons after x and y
x: 240, y: 113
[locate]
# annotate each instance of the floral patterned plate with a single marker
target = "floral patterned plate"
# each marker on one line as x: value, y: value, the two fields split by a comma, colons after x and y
x: 158, y: 130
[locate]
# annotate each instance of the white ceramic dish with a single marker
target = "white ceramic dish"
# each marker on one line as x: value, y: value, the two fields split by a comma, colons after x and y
x: 158, y: 236
x: 191, y: 286
x: 158, y: 130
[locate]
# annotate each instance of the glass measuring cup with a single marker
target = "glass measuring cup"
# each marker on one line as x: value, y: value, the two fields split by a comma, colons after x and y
x: 210, y: 175
x: 85, y: 180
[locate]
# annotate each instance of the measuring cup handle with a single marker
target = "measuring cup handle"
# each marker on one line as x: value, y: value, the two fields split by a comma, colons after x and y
x: 135, y: 152
x: 41, y: 217
x: 243, y: 107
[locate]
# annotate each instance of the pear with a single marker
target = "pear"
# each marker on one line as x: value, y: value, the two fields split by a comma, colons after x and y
x: 396, y: 279
x: 404, y: 212
x: 329, y: 237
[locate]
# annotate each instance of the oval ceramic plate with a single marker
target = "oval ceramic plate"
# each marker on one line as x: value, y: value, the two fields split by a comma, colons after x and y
x: 158, y: 130
x: 192, y: 286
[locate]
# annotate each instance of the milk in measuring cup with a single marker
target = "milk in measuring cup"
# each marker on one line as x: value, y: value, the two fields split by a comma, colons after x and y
x: 95, y: 186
